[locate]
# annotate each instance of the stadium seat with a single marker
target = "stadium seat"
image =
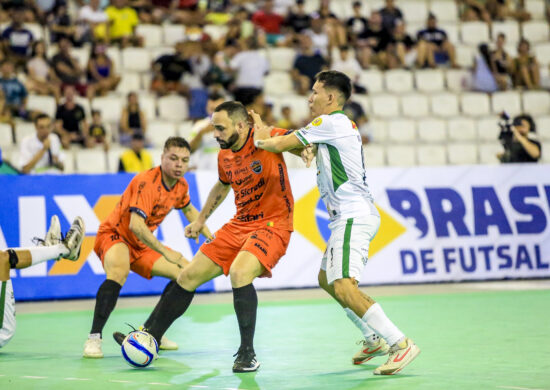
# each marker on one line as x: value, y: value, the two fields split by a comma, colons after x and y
x: 281, y: 58
x: 431, y: 155
x: 509, y: 101
x: 475, y: 103
x: 114, y: 54
x: 452, y: 30
x: 488, y: 129
x: 414, y: 11
x: 278, y: 83
x: 216, y: 31
x: 445, y: 10
x: 158, y: 131
x: 363, y: 101
x: 156, y: 52
x: 113, y: 158
x: 546, y: 156
x: 542, y: 52
x: 510, y: 28
x: 379, y: 130
x: 148, y: 103
x: 85, y: 103
x: 82, y: 55
x: 151, y: 33
x: 372, y: 80
x: 156, y: 153
x: 130, y: 82
x: 6, y: 137
x: 299, y: 105
x: 68, y: 161
x: 136, y: 59
x: 401, y: 131
x: 431, y: 130
x: 462, y: 129
x: 429, y: 80
x: 464, y: 56
x: 462, y: 153
x: 36, y: 29
x: 110, y: 107
x: 374, y: 155
x: 173, y: 33
x: 398, y: 81
x: 42, y: 103
x: 457, y: 79
x: 342, y: 9
x: 536, y: 8
x: 536, y: 102
x: 413, y: 28
x: 536, y: 31
x: 185, y: 130
x: 474, y: 33
x: 444, y: 104
x: 90, y: 161
x: 385, y: 106
x: 488, y: 153
x: 173, y: 107
x: 415, y: 105
x: 22, y: 130
x: 543, y: 129
x: 400, y: 155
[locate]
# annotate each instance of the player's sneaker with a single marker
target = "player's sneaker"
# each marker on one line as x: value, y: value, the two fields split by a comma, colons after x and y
x: 92, y: 348
x: 53, y: 236
x: 245, y: 361
x: 401, y: 354
x: 370, y: 350
x: 165, y: 344
x: 73, y: 239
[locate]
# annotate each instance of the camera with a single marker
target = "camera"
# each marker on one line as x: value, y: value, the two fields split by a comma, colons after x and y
x: 506, y: 136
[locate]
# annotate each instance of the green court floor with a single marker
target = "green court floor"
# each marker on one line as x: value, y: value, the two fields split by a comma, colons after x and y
x: 482, y: 340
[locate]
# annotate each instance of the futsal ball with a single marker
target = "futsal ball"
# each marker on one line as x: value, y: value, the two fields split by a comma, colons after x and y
x: 139, y: 349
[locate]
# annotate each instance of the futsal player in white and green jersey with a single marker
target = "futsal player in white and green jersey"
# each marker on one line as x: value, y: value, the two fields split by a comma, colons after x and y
x: 354, y: 220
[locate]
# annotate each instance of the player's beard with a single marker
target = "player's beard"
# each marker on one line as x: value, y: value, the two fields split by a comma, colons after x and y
x: 230, y: 142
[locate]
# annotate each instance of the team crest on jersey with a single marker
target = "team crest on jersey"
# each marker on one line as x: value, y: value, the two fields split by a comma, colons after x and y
x: 256, y: 166
x: 317, y: 122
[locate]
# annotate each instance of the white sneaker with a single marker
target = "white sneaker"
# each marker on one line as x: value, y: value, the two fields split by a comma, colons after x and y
x: 92, y: 348
x: 53, y: 236
x: 73, y: 239
x: 401, y: 354
x: 370, y: 350
x: 167, y: 345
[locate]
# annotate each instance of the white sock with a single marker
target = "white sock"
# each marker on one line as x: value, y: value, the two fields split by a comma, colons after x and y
x: 381, y: 324
x: 367, y: 331
x: 40, y: 254
x: 94, y: 336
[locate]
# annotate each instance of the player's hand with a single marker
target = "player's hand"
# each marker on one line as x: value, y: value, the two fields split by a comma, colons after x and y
x: 193, y: 230
x: 308, y: 154
x: 174, y: 257
x: 261, y: 130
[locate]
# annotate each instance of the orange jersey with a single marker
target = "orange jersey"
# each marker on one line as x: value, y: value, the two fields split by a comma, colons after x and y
x: 147, y: 196
x: 260, y: 183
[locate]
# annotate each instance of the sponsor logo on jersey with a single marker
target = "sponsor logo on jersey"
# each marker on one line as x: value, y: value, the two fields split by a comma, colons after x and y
x: 256, y: 166
x: 317, y: 122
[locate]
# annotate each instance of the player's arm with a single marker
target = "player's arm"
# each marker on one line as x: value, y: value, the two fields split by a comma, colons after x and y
x: 280, y: 144
x: 142, y: 232
x: 191, y: 213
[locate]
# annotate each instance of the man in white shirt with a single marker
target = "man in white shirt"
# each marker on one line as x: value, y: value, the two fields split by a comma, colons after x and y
x: 41, y: 152
x: 92, y: 19
x: 354, y: 220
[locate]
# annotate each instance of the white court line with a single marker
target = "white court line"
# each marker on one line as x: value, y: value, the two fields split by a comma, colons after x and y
x: 518, y: 388
x: 118, y: 381
x: 34, y: 377
x: 199, y: 386
x: 77, y: 379
x: 159, y: 384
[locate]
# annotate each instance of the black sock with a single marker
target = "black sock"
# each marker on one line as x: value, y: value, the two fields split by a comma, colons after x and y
x: 245, y: 301
x: 105, y: 302
x: 171, y: 284
x: 170, y: 307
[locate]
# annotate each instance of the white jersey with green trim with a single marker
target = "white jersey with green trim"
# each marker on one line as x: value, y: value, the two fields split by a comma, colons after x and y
x: 341, y: 175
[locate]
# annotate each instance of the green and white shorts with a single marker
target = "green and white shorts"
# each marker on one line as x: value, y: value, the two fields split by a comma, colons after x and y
x: 7, y: 313
x: 348, y: 247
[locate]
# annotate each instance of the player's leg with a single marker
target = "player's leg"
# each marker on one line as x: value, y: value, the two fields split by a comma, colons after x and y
x: 7, y: 302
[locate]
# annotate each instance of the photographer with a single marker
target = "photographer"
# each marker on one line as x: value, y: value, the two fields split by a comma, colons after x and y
x: 519, y: 140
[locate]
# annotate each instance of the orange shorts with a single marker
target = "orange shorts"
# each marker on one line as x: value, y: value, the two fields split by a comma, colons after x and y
x: 141, y: 260
x: 266, y: 243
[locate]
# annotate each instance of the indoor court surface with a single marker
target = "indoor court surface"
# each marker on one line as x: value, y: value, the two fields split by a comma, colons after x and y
x: 473, y: 336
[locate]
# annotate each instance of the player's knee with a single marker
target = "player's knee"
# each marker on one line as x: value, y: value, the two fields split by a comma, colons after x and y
x: 187, y: 280
x: 239, y: 277
x: 119, y: 275
x: 343, y: 291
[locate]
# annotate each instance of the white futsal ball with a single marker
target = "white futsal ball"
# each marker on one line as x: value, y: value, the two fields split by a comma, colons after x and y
x: 139, y: 349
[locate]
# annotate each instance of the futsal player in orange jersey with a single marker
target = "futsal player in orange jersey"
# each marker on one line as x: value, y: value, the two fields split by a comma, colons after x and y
x: 125, y: 240
x: 246, y: 247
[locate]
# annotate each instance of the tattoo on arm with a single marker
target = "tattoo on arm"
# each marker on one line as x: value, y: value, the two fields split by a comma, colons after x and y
x: 214, y: 205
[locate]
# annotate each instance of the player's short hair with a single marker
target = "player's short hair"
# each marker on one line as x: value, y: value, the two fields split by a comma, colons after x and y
x: 235, y: 110
x: 332, y: 79
x: 40, y: 116
x: 178, y: 142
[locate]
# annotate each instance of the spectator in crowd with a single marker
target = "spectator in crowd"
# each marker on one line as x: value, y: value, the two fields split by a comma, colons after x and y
x: 16, y: 39
x: 269, y: 22
x: 501, y: 10
x: 102, y: 77
x: 144, y: 9
x: 132, y: 120
x: 67, y: 68
x: 525, y: 67
x: 354, y: 111
x: 320, y: 39
x: 61, y: 26
x: 93, y: 22
x: 483, y: 78
x: 123, y: 21
x: 41, y: 78
x: 97, y: 132
x: 501, y: 63
x: 282, y: 7
x: 298, y: 20
x: 242, y: 16
x: 306, y: 65
x: 136, y: 159
x: 204, y: 147
x: 373, y: 42
x: 168, y: 71
x: 474, y: 10
x: 402, y: 49
x: 14, y: 92
x: 70, y: 124
x: 162, y: 10
x: 186, y: 12
x: 434, y: 46
x: 356, y: 24
x: 286, y: 122
x: 348, y: 64
x: 41, y: 152
x: 44, y: 9
x: 520, y: 141
x: 390, y: 15
x: 334, y: 28
x: 5, y: 112
x: 250, y: 68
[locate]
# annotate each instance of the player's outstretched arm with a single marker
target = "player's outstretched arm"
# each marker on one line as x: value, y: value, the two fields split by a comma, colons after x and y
x: 142, y: 232
x: 191, y: 213
x: 280, y: 144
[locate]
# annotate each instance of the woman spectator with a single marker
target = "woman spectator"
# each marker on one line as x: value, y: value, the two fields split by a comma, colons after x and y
x: 41, y: 76
x: 102, y: 77
x: 132, y: 120
x: 501, y: 63
x: 402, y: 48
x: 484, y: 80
x: 525, y: 68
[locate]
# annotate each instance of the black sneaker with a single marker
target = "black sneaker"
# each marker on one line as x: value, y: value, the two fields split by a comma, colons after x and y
x: 119, y: 337
x: 245, y: 361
